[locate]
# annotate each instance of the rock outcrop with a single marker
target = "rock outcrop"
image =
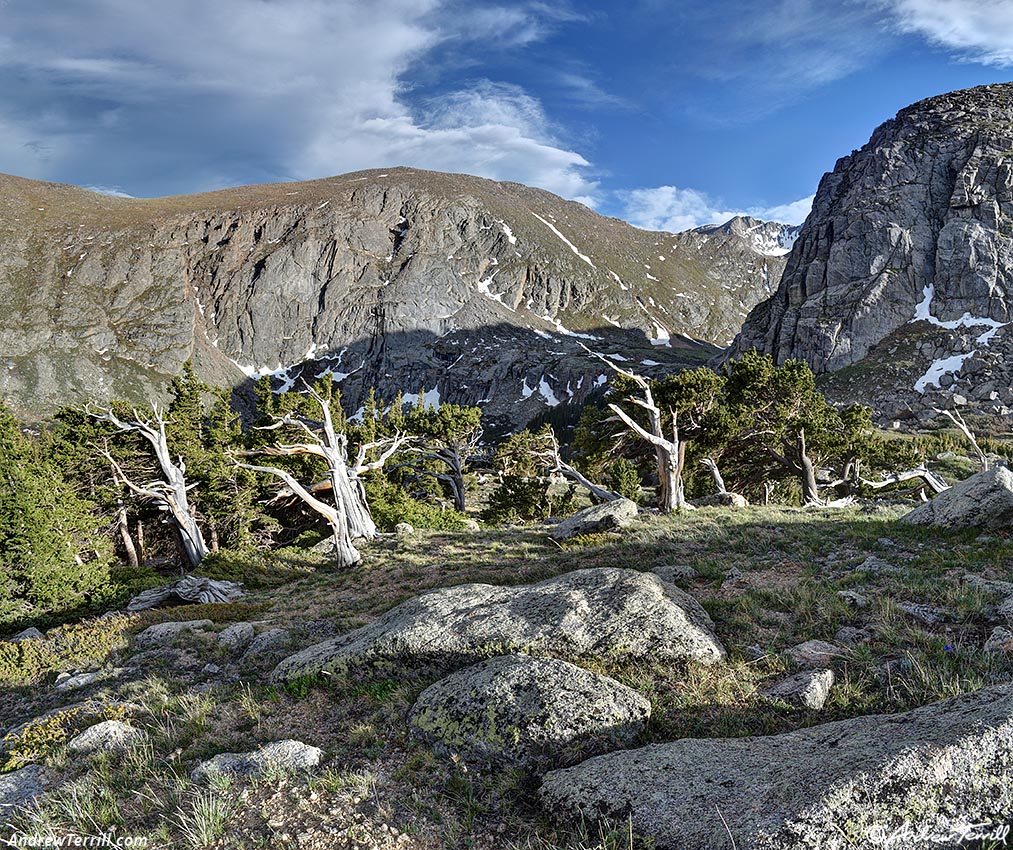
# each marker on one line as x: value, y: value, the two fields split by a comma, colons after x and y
x: 528, y: 711
x: 842, y: 785
x: 462, y: 288
x: 587, y: 613
x: 904, y: 268
x: 984, y: 500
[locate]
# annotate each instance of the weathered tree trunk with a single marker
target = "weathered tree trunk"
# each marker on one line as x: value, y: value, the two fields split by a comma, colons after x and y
x: 171, y: 492
x: 349, y: 518
x: 140, y: 542
x: 712, y: 467
x: 128, y: 543
x: 810, y: 492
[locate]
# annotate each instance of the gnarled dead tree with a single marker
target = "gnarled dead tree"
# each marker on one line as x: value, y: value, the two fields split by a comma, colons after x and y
x: 670, y: 452
x: 712, y: 467
x: 349, y: 516
x: 169, y: 493
x: 958, y: 420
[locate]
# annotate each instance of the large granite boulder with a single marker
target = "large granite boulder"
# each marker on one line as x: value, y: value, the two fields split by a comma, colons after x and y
x: 847, y: 784
x: 608, y: 516
x: 984, y: 500
x: 583, y: 614
x: 528, y: 711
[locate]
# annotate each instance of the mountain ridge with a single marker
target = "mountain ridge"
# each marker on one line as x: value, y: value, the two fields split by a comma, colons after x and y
x: 392, y: 278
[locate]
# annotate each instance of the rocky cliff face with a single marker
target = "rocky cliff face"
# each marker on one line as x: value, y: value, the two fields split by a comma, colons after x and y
x: 464, y: 289
x: 901, y: 276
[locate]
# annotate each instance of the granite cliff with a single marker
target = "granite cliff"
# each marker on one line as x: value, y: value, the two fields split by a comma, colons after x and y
x: 900, y: 281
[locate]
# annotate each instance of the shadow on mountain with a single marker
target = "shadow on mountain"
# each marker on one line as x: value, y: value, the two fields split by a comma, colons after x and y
x: 518, y: 376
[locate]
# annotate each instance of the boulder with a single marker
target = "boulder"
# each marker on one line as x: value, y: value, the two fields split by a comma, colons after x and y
x: 924, y: 614
x: 110, y: 736
x: 815, y: 653
x: 268, y: 641
x: 808, y: 689
x: 608, y: 516
x: 31, y: 633
x: 283, y: 756
x: 162, y: 634
x: 984, y: 500
x: 840, y: 785
x: 722, y: 500
x: 528, y: 711
x: 236, y: 637
x: 20, y: 787
x: 676, y: 572
x: 188, y: 590
x: 404, y: 529
x: 66, y: 682
x: 584, y: 614
x: 999, y: 641
x: 854, y: 598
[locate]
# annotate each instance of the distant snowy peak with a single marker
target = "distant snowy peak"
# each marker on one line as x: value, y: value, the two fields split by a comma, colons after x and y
x: 769, y: 238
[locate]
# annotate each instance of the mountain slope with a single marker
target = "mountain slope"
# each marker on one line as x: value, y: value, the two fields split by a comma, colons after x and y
x: 466, y: 289
x: 900, y: 281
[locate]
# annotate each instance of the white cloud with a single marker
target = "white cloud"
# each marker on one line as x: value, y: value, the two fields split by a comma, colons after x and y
x: 305, y: 88
x: 673, y: 209
x: 977, y: 30
x: 765, y: 56
x: 108, y: 190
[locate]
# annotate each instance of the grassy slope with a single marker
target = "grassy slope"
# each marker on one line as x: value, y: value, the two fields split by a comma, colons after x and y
x: 769, y: 577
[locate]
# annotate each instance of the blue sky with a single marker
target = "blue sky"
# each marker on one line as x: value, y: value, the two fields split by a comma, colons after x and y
x: 667, y: 113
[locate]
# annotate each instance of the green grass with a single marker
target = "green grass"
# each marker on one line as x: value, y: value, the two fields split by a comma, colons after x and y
x: 769, y: 577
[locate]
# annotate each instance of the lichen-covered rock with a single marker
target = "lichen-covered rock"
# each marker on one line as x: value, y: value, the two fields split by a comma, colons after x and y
x: 583, y: 614
x: 162, y: 634
x: 722, y: 500
x: 109, y: 736
x: 832, y: 787
x: 283, y: 756
x: 267, y: 642
x: 608, y: 516
x: 808, y: 689
x: 188, y: 590
x: 528, y: 711
x: 984, y: 500
x: 20, y: 787
x: 236, y: 637
x: 815, y: 653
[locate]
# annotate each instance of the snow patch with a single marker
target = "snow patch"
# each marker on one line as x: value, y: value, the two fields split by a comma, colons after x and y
x: 430, y: 399
x: 571, y: 246
x: 619, y: 280
x: 923, y: 313
x: 662, y: 336
x: 545, y: 390
x: 509, y: 234
x: 944, y: 366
